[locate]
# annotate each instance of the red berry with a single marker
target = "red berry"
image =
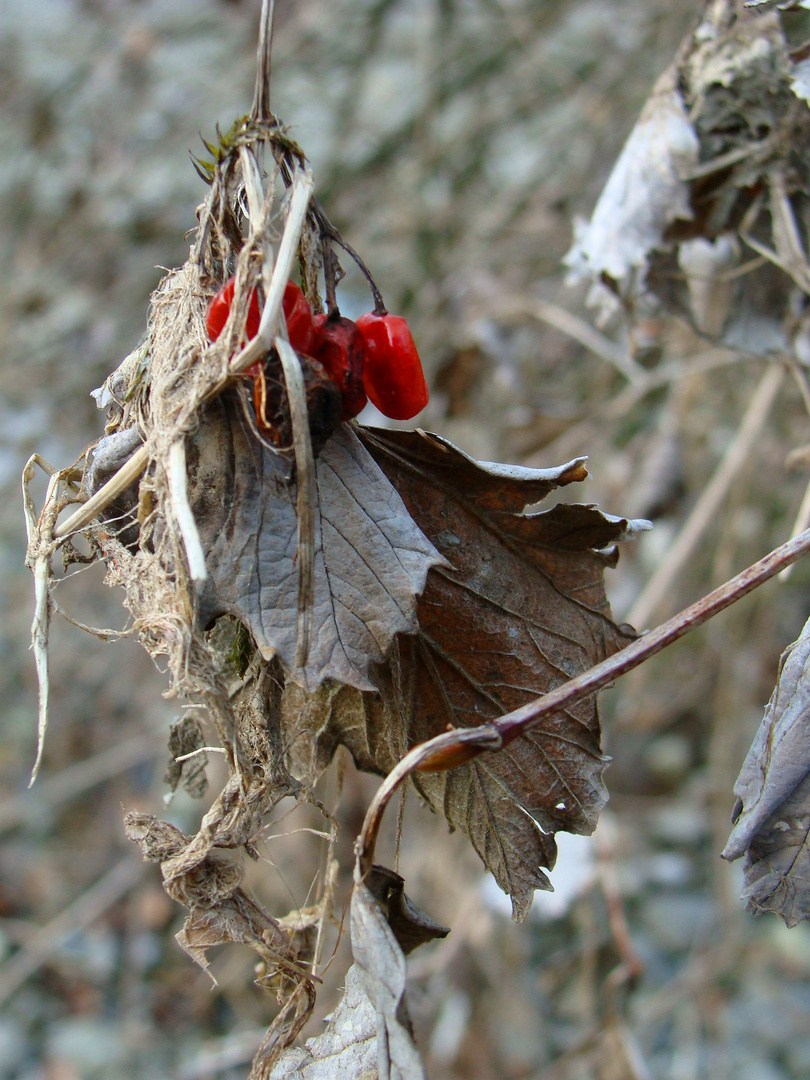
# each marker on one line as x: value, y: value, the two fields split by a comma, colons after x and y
x: 220, y: 306
x: 300, y: 327
x: 339, y: 347
x: 392, y: 373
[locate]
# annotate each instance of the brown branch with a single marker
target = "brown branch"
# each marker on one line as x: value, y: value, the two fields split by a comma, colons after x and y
x: 453, y: 748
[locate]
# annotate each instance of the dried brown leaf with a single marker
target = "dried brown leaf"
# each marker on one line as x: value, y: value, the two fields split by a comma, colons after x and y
x: 520, y: 610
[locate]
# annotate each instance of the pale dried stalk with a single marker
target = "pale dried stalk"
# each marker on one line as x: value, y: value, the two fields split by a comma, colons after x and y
x: 40, y: 552
x: 114, y: 487
x: 578, y: 330
x: 252, y: 179
x: 181, y: 509
x: 803, y: 514
x: 306, y: 493
x: 301, y: 192
x: 737, y: 454
x: 76, y: 779
x: 799, y: 525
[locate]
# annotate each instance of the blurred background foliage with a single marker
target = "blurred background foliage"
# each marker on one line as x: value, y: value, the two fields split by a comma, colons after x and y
x: 453, y: 143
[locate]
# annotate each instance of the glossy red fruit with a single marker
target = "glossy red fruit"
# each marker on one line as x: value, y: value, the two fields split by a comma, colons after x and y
x: 298, y: 315
x: 220, y: 306
x: 392, y: 372
x: 339, y: 347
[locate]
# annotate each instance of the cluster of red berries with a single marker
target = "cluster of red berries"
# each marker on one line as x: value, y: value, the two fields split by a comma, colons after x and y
x: 372, y: 359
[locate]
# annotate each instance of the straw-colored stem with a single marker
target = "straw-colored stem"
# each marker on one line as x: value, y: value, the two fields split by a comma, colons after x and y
x: 306, y: 493
x: 183, y: 515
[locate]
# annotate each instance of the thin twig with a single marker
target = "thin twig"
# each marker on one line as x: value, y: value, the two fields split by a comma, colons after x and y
x: 575, y: 327
x: 39, y: 949
x: 459, y: 746
x: 660, y: 584
x: 799, y: 525
x: 70, y: 782
x: 630, y: 396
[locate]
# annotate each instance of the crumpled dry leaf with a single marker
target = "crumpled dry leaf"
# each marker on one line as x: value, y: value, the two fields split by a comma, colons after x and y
x: 646, y: 192
x: 772, y: 813
x: 520, y: 610
x: 708, y: 202
x: 371, y: 560
x: 369, y: 1035
x: 410, y: 926
x: 346, y: 1049
x: 186, y: 739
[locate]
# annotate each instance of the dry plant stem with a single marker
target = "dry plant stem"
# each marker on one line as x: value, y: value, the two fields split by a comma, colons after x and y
x: 117, y: 484
x: 299, y: 203
x: 253, y: 186
x: 800, y: 524
x: 75, y: 780
x: 178, y: 495
x: 457, y: 747
x: 40, y: 549
x: 82, y: 912
x: 803, y: 514
x: 660, y: 584
x: 579, y: 330
x: 260, y: 109
x: 306, y: 495
x: 571, y: 441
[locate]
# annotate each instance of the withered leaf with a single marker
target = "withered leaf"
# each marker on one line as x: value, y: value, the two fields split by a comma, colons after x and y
x: 520, y: 609
x: 345, y: 1050
x: 772, y: 815
x: 186, y: 738
x: 707, y: 175
x: 645, y: 193
x: 369, y: 1034
x: 411, y: 927
x: 371, y: 560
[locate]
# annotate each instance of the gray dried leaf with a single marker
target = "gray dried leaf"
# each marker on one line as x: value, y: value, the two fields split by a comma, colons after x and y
x: 707, y: 176
x: 369, y: 1035
x: 646, y: 192
x: 381, y: 965
x: 371, y: 560
x: 346, y: 1050
x: 772, y: 813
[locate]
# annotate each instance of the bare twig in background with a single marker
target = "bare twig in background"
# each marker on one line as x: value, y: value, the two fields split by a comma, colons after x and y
x: 78, y: 778
x: 81, y: 913
x: 704, y: 510
x: 578, y: 330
